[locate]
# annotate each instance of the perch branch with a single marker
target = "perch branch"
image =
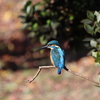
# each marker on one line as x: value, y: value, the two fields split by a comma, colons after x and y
x: 39, y: 70
x: 77, y: 74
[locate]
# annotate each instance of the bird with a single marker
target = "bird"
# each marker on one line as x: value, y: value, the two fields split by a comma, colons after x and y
x: 57, y: 55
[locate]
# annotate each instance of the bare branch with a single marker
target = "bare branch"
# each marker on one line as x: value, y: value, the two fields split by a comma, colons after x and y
x: 77, y: 74
x: 39, y: 70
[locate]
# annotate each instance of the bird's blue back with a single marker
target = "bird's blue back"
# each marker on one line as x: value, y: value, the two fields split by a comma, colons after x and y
x: 58, y: 58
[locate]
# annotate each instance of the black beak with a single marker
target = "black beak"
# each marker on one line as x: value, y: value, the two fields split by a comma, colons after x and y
x: 43, y: 47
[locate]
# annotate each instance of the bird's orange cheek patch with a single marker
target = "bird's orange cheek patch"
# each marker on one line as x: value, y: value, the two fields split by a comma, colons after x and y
x: 55, y: 45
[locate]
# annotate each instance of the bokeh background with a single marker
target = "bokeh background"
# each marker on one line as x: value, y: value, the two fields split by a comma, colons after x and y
x: 19, y: 62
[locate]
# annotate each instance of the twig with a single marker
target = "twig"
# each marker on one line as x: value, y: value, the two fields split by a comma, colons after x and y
x: 41, y: 67
x: 77, y: 74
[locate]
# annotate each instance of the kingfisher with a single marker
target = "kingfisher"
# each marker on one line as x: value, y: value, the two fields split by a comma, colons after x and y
x: 57, y: 55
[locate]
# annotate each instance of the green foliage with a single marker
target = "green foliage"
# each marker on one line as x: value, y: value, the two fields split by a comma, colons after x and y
x: 92, y: 26
x: 43, y: 19
x: 90, y: 15
x: 88, y: 28
x: 56, y: 19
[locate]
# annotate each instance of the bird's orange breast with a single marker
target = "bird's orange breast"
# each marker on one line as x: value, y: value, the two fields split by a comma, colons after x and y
x: 51, y: 58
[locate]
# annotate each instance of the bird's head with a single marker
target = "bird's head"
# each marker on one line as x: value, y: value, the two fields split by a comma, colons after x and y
x: 52, y: 44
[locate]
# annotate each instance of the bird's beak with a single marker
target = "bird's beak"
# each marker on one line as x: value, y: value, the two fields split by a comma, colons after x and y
x: 43, y: 47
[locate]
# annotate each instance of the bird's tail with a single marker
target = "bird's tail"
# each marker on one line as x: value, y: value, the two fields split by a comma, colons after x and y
x: 59, y: 70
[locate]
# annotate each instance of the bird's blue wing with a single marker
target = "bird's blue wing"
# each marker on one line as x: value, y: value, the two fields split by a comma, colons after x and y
x: 58, y: 58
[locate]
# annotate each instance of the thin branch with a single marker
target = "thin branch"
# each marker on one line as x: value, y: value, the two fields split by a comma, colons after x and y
x: 39, y: 70
x: 77, y: 74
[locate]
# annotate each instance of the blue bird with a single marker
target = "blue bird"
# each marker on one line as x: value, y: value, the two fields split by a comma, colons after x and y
x: 57, y: 55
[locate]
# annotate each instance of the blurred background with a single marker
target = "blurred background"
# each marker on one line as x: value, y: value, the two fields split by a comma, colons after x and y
x: 27, y: 25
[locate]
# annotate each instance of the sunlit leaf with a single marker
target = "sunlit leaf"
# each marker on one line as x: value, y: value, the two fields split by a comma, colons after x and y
x: 88, y: 28
x: 29, y: 9
x: 94, y: 54
x: 38, y: 6
x: 97, y: 14
x: 86, y: 21
x: 71, y: 17
x: 26, y: 4
x: 43, y: 13
x: 48, y: 21
x: 54, y: 25
x: 90, y: 52
x: 93, y: 43
x: 97, y: 29
x: 90, y: 15
x: 35, y: 25
x: 43, y: 40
